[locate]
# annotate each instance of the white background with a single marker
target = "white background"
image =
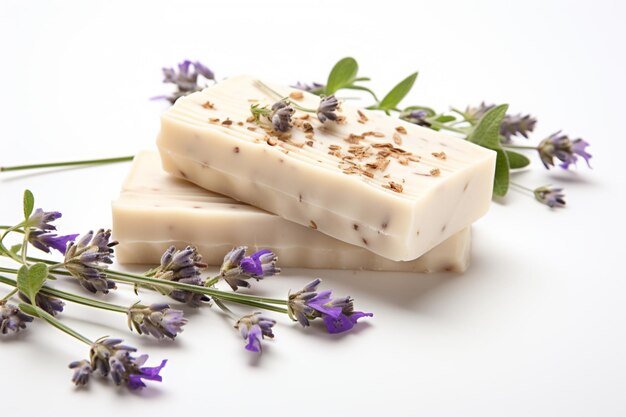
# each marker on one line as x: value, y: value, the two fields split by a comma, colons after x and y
x: 535, y: 327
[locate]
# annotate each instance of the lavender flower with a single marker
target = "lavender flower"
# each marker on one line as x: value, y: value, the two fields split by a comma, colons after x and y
x: 46, y: 241
x: 551, y: 197
x: 561, y: 147
x: 12, y: 319
x: 237, y: 267
x: 281, y: 116
x: 41, y: 219
x: 87, y: 260
x: 512, y: 125
x: 327, y: 108
x: 253, y: 328
x: 110, y: 358
x: 157, y: 320
x: 311, y: 88
x: 345, y: 319
x: 182, y: 266
x: 338, y: 314
x: 82, y: 372
x: 186, y: 79
x: 417, y: 117
x: 50, y: 305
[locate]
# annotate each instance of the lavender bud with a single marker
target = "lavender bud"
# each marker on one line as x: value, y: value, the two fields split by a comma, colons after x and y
x: 561, y: 147
x: 12, y: 319
x: 327, y: 108
x: 183, y: 266
x: 281, y: 116
x: 87, y: 260
x: 157, y: 320
x: 551, y: 197
x: 253, y: 328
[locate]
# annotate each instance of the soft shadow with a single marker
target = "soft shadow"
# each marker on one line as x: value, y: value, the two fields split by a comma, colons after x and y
x: 399, y: 289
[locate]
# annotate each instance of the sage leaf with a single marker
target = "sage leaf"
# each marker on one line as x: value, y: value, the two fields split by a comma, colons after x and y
x: 16, y: 248
x: 501, y: 178
x: 31, y: 279
x: 486, y: 133
x: 29, y: 203
x: 517, y: 160
x: 343, y: 74
x: 28, y: 309
x: 395, y: 96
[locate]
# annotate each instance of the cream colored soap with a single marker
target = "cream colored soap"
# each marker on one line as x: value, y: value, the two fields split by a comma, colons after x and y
x: 156, y: 210
x: 391, y: 187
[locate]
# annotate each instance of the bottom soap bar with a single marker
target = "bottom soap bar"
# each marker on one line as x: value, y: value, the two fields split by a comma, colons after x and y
x: 156, y: 210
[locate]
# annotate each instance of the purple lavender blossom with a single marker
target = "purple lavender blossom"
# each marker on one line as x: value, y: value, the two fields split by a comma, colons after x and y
x: 237, y: 267
x: 82, y: 372
x: 41, y: 219
x: 281, y: 116
x: 12, y: 319
x: 338, y: 314
x: 87, y: 260
x: 314, y: 87
x: 347, y: 317
x: 185, y: 79
x: 157, y: 320
x: 183, y: 266
x: 550, y: 196
x: 512, y: 125
x: 46, y: 241
x: 110, y: 358
x: 327, y: 108
x: 417, y: 117
x: 254, y: 327
x: 50, y: 305
x: 561, y: 147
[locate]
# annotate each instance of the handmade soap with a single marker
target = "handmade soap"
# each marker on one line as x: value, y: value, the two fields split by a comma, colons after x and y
x: 156, y: 210
x: 371, y: 180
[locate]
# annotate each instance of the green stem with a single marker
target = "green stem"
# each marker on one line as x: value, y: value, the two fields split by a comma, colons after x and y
x: 9, y: 295
x: 56, y: 323
x: 213, y: 281
x: 3, y: 249
x: 25, y: 244
x: 67, y: 296
x: 522, y: 187
x: 69, y: 163
x: 446, y: 127
x: 281, y: 97
x: 519, y: 147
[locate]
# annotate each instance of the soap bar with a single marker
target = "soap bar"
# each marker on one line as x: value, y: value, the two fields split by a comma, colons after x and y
x: 156, y: 210
x: 371, y: 180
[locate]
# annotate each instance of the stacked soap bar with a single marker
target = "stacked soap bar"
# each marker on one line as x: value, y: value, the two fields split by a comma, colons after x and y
x: 370, y: 180
x: 156, y: 210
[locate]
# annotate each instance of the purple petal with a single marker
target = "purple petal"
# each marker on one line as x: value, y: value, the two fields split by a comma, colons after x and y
x: 343, y: 323
x: 254, y: 339
x: 149, y: 373
x: 320, y: 303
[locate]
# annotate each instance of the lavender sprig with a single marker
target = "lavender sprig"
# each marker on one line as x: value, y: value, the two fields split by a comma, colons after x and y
x: 109, y: 357
x: 237, y: 268
x: 186, y: 79
x: 156, y: 320
x: 253, y: 328
x: 88, y: 258
x: 12, y: 318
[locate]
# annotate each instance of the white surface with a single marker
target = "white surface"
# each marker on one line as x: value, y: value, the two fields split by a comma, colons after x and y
x: 535, y: 327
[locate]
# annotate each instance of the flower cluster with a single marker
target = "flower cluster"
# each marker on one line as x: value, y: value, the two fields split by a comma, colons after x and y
x: 338, y: 314
x: 49, y: 304
x: 185, y: 79
x: 238, y: 268
x: 512, y: 125
x: 12, y: 319
x: 551, y: 197
x: 310, y: 88
x: 281, y: 116
x: 39, y: 234
x: 182, y: 266
x: 327, y: 108
x: 157, y: 320
x: 88, y: 258
x: 109, y: 357
x: 564, y: 149
x: 254, y: 327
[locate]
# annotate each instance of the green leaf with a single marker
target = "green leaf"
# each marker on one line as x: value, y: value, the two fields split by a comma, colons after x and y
x: 29, y: 203
x: 517, y: 160
x: 343, y: 74
x: 31, y: 279
x: 445, y: 118
x: 501, y: 178
x: 28, y: 309
x: 487, y: 134
x: 16, y: 248
x: 395, y: 96
x: 487, y: 131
